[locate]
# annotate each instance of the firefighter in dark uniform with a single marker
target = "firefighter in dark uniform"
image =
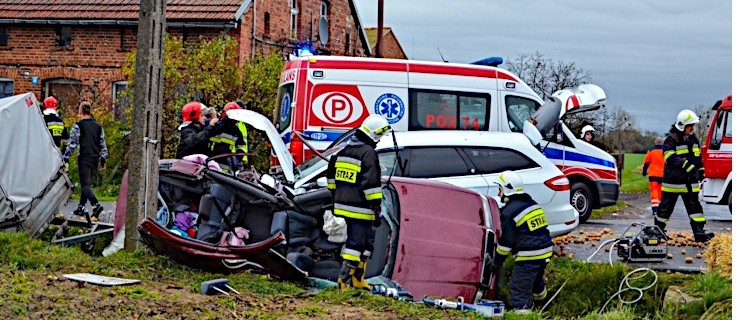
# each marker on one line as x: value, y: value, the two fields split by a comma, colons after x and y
x: 354, y: 177
x: 194, y: 132
x: 682, y: 176
x: 526, y: 236
x: 55, y: 123
x: 230, y: 136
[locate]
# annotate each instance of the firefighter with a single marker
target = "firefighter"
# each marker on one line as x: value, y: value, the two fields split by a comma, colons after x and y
x: 194, y: 133
x: 230, y: 136
x: 654, y: 167
x: 54, y: 122
x: 89, y: 136
x: 525, y: 235
x: 587, y: 133
x: 354, y: 178
x: 682, y: 175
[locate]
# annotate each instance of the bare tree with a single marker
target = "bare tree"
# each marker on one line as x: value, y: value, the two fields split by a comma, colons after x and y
x: 544, y: 75
x: 704, y: 112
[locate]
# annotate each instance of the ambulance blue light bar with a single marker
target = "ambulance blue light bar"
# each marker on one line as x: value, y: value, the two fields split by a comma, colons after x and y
x: 491, y: 61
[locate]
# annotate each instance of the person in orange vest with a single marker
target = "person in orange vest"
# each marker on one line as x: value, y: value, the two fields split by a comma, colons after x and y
x: 654, y: 168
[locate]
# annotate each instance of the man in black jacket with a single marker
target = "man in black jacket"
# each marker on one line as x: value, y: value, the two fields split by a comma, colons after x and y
x: 524, y: 234
x: 89, y: 136
x: 194, y: 133
x: 682, y: 176
x: 354, y: 178
x: 230, y: 136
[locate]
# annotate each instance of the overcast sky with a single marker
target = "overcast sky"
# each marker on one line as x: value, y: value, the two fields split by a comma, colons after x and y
x: 653, y: 58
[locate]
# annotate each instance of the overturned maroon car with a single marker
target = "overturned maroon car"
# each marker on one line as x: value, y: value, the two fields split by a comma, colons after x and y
x: 435, y: 239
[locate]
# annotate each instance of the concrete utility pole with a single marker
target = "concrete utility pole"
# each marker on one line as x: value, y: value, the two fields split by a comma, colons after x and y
x: 146, y: 129
x: 380, y: 27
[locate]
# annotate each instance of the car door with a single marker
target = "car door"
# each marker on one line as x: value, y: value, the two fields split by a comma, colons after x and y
x: 445, y: 164
x: 490, y: 162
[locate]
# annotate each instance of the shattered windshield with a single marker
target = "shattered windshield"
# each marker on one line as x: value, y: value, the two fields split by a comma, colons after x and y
x: 315, y: 163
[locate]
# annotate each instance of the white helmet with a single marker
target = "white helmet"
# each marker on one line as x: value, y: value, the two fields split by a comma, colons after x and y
x: 510, y: 182
x: 375, y: 126
x: 586, y: 129
x: 684, y: 118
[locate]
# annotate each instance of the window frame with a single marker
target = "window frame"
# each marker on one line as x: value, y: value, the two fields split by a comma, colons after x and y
x: 267, y: 21
x: 413, y: 107
x: 325, y: 7
x: 4, y: 36
x: 12, y: 85
x: 60, y: 41
x: 294, y: 11
x: 509, y: 114
x: 478, y: 170
x: 467, y: 163
x: 114, y: 95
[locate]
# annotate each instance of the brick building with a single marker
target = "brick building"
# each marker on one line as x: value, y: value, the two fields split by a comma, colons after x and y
x: 391, y: 47
x: 75, y: 47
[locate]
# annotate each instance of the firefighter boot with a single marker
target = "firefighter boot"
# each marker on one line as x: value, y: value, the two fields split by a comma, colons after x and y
x: 345, y: 275
x: 661, y: 225
x: 699, y: 234
x: 358, y: 277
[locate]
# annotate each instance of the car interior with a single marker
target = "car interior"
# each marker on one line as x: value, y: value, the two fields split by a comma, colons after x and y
x: 223, y: 201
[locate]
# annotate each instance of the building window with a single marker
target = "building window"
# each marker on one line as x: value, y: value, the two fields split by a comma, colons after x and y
x: 121, y: 100
x: 6, y: 87
x: 266, y: 23
x: 347, y: 44
x: 324, y: 10
x: 293, y: 18
x: 66, y: 91
x: 63, y: 36
x: 3, y: 36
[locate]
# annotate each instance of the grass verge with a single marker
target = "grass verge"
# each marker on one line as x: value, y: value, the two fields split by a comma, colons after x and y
x: 631, y: 179
x: 602, y: 212
x: 33, y: 287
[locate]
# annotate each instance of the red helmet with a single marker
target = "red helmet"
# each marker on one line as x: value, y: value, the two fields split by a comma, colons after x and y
x: 191, y: 111
x: 50, y: 103
x: 229, y: 106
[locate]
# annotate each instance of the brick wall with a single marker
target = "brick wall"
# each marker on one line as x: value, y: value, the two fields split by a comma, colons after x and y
x: 95, y: 57
x: 97, y: 53
x: 340, y: 21
x: 391, y: 47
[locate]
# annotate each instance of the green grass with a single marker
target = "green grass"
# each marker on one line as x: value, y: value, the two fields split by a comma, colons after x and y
x: 631, y: 179
x: 602, y: 212
x: 23, y: 261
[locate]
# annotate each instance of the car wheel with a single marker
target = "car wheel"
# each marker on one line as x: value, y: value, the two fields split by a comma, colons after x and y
x: 730, y: 211
x: 581, y: 200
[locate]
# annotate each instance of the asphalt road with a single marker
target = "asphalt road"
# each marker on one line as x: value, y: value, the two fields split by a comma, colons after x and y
x: 718, y: 221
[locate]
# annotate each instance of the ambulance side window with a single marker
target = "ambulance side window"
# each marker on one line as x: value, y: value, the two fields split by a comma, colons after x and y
x: 448, y: 110
x: 283, y: 112
x: 519, y: 110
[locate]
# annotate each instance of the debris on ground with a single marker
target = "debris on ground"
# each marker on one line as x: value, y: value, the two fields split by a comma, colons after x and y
x: 688, y: 260
x: 718, y: 255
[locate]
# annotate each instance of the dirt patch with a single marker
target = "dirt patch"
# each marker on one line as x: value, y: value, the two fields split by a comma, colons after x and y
x: 636, y: 206
x: 39, y: 295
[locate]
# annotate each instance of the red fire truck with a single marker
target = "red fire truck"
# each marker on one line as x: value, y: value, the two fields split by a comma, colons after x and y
x: 716, y: 156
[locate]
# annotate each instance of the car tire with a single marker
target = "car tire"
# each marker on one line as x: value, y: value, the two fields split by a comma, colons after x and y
x: 582, y: 200
x: 730, y: 211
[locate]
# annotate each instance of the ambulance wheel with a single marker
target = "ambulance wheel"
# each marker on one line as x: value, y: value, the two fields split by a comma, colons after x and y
x: 582, y: 200
x: 730, y: 204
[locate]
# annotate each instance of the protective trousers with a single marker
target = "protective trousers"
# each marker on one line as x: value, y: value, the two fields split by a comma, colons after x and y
x: 527, y: 281
x: 655, y: 194
x: 360, y: 241
x: 87, y: 167
x: 692, y: 205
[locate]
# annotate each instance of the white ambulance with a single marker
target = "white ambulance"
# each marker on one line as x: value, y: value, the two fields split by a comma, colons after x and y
x: 324, y: 96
